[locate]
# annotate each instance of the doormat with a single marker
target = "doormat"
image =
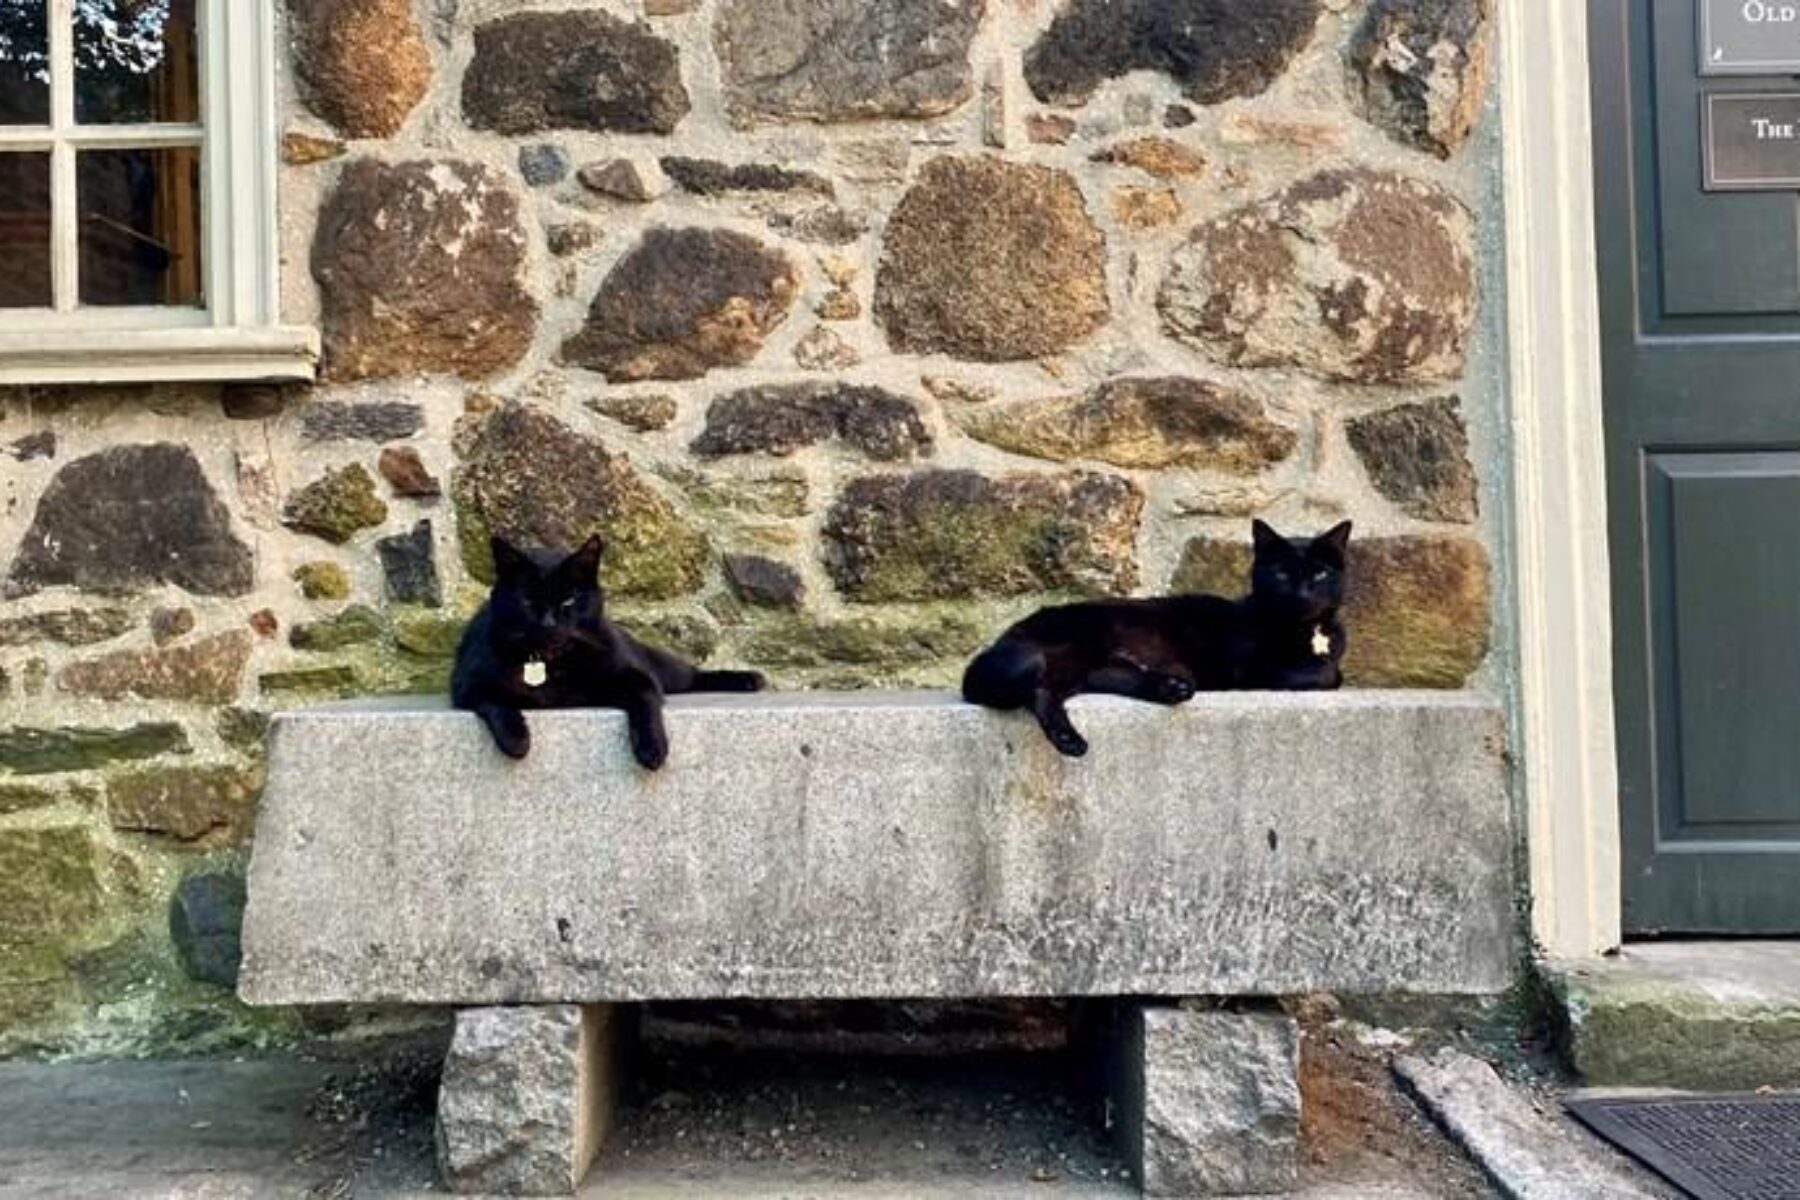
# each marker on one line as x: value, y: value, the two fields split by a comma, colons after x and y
x: 1713, y: 1147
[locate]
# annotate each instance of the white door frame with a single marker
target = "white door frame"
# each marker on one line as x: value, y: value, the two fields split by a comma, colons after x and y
x: 1569, y: 771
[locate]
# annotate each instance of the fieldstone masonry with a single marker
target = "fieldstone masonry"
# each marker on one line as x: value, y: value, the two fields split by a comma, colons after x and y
x: 858, y: 327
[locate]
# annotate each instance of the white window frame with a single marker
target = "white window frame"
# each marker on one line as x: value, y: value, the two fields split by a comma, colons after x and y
x: 238, y: 334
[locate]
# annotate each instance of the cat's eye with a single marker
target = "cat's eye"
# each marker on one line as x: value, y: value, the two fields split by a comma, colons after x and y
x: 567, y: 606
x: 1320, y: 575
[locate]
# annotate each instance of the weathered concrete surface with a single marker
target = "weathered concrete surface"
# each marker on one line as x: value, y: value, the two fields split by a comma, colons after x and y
x: 1708, y: 1016
x: 885, y: 844
x: 1209, y: 1102
x: 200, y: 1129
x: 527, y: 1099
x: 1528, y: 1155
x: 212, y: 1130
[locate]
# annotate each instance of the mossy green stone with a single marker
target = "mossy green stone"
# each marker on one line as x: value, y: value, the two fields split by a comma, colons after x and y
x: 540, y: 484
x: 424, y: 633
x: 52, y: 885
x: 336, y: 505
x: 119, y: 967
x: 403, y: 675
x: 354, y: 626
x: 243, y: 729
x: 34, y: 987
x: 952, y: 535
x: 29, y: 751
x: 694, y: 638
x: 322, y: 581
x: 69, y: 626
x: 22, y: 797
x: 306, y: 683
x: 781, y: 494
x: 875, y: 642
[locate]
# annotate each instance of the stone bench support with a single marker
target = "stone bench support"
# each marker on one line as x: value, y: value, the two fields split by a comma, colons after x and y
x: 883, y: 845
x: 527, y: 1097
x: 1208, y: 1103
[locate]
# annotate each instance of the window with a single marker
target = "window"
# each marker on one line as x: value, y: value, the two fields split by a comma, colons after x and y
x: 137, y: 204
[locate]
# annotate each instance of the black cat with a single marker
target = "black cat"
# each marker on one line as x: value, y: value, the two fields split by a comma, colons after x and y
x: 543, y: 641
x: 1284, y: 635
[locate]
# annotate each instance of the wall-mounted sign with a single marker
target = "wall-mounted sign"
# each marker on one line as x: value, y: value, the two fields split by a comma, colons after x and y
x: 1751, y: 141
x: 1750, y: 37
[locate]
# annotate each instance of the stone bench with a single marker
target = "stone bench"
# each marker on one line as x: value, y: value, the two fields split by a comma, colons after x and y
x: 876, y: 845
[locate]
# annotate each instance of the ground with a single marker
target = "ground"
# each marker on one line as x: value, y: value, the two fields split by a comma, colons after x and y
x: 700, y: 1119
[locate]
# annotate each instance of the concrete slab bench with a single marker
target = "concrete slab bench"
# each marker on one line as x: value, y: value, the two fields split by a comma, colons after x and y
x: 875, y: 845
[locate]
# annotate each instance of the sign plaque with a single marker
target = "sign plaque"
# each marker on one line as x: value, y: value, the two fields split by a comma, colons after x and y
x: 1750, y: 141
x: 1750, y: 37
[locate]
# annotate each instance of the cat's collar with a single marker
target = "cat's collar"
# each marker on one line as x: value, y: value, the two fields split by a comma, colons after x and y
x: 535, y: 672
x: 1321, y: 642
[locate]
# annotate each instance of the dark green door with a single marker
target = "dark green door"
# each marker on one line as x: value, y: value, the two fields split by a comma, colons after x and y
x: 1700, y: 300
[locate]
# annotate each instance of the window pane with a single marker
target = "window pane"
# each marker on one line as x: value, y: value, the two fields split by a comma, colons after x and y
x: 135, y: 61
x: 24, y: 62
x: 140, y: 226
x: 24, y: 231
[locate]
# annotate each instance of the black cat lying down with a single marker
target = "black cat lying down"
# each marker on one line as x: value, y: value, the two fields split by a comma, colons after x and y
x: 543, y: 641
x: 1283, y: 636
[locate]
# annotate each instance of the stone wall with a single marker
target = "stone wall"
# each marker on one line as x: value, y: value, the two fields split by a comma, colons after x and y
x: 859, y: 327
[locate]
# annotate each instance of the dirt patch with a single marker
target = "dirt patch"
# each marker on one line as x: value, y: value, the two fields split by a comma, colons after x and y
x: 1356, y: 1125
x: 809, y: 1119
x: 374, y: 1120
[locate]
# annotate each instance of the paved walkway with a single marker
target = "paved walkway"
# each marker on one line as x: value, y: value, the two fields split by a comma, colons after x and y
x: 278, y: 1128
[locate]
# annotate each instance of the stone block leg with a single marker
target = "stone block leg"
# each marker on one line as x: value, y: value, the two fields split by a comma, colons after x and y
x: 1208, y: 1103
x: 527, y: 1097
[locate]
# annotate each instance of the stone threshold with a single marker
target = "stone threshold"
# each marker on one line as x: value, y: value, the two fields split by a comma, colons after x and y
x: 1720, y: 1016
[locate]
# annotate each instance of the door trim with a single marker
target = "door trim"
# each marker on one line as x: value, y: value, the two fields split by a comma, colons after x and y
x: 1564, y: 594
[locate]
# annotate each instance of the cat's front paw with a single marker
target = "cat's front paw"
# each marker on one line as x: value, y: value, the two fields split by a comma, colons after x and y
x: 651, y: 748
x: 511, y: 734
x: 1067, y: 742
x: 1172, y: 689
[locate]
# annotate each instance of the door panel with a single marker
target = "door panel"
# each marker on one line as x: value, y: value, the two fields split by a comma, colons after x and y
x: 1758, y: 233
x: 1700, y: 314
x: 1728, y: 609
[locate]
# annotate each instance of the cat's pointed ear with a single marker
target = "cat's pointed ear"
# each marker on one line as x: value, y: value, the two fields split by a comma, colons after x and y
x: 1335, y: 540
x: 509, y: 562
x: 585, y: 562
x: 1265, y: 538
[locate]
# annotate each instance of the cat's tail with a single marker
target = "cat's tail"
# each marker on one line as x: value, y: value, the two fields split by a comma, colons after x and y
x: 1005, y: 675
x: 728, y: 681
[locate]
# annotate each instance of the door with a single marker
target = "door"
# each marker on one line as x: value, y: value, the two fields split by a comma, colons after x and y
x: 1700, y: 300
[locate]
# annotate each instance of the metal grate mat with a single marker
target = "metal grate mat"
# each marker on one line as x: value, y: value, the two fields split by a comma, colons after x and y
x: 1713, y: 1147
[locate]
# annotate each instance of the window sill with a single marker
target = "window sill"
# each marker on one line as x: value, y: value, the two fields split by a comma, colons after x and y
x: 280, y: 353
